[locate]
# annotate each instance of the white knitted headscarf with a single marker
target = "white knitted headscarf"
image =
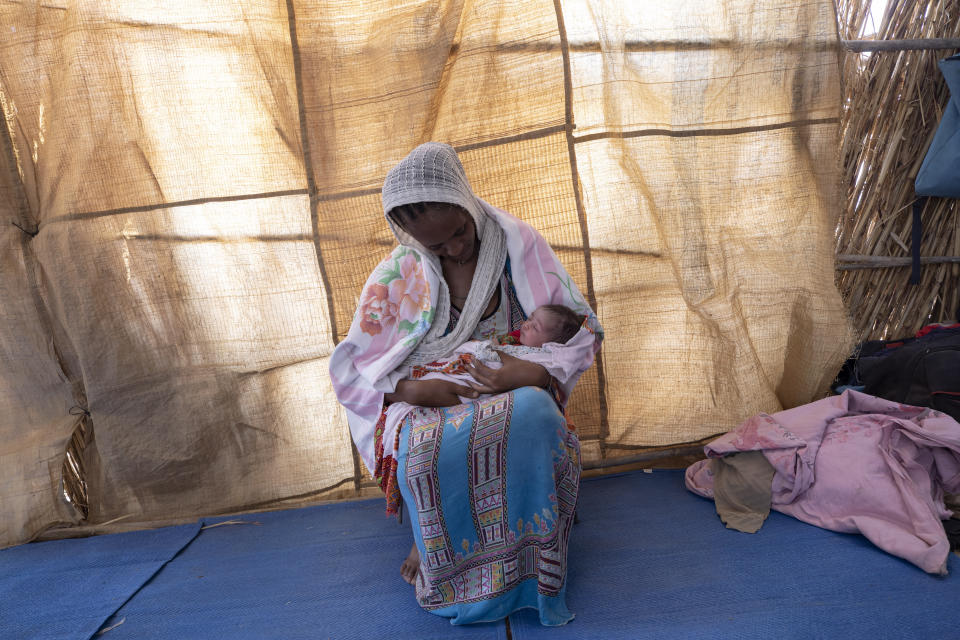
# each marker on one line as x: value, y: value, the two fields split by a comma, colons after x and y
x: 432, y: 173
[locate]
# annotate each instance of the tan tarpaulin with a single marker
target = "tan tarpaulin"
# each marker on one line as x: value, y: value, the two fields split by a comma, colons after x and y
x: 190, y: 203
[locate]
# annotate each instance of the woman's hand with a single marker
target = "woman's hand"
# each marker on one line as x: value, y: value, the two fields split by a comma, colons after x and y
x: 514, y: 373
x: 430, y: 393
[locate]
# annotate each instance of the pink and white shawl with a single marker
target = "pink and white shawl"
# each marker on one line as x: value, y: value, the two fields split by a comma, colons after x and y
x: 397, y: 308
x: 856, y: 464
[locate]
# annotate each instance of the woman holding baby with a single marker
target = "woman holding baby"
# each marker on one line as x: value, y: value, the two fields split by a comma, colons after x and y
x: 490, y: 485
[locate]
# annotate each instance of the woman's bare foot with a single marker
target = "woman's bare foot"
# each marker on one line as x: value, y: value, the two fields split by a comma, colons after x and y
x: 411, y: 566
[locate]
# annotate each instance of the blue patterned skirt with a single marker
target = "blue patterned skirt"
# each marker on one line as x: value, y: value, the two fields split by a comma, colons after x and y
x: 491, y: 488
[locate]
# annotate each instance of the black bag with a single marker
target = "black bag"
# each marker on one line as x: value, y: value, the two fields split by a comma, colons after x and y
x: 923, y: 371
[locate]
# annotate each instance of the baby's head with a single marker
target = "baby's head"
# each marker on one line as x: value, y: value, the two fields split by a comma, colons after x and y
x: 550, y: 323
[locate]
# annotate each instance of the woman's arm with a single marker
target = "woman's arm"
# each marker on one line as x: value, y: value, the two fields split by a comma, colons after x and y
x: 514, y: 373
x: 429, y: 393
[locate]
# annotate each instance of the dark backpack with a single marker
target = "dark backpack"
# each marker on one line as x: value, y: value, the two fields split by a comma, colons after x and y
x: 922, y: 371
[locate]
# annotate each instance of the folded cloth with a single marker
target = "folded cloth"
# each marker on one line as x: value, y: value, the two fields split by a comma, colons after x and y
x: 741, y: 489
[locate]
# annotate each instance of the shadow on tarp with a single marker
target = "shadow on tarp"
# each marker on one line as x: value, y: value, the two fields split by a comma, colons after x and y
x: 651, y: 560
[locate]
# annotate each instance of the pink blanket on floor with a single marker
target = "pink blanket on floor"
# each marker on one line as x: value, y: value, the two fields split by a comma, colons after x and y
x: 856, y: 464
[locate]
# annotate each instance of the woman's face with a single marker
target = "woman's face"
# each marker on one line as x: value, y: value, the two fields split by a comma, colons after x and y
x: 447, y: 231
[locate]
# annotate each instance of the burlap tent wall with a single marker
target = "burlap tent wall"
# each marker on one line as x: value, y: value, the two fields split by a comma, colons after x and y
x: 190, y: 205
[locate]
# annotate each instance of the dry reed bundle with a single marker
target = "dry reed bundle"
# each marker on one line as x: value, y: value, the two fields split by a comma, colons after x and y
x: 74, y: 475
x: 893, y: 101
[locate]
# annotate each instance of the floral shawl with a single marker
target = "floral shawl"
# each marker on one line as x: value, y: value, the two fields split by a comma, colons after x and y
x: 397, y: 308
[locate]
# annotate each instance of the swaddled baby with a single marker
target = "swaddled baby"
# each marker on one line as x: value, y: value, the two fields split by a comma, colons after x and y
x: 547, y: 329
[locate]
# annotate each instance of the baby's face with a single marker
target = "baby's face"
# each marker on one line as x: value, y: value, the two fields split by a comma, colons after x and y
x: 540, y: 327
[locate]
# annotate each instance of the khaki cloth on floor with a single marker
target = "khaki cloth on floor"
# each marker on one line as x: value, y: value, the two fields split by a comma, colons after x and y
x: 741, y: 489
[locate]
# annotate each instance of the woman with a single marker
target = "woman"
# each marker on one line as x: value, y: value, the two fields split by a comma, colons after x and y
x: 490, y: 486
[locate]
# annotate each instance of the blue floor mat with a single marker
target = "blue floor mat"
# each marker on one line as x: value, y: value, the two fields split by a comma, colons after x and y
x: 651, y: 560
x: 647, y: 560
x: 68, y: 588
x: 321, y: 572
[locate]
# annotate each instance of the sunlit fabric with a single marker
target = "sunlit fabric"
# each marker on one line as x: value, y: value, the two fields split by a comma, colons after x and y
x: 190, y: 204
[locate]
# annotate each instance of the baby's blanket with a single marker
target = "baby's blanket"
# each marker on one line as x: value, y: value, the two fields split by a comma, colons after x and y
x: 558, y: 361
x: 856, y: 464
x: 397, y: 308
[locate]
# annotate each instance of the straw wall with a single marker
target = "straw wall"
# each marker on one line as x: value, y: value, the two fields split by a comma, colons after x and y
x: 892, y: 104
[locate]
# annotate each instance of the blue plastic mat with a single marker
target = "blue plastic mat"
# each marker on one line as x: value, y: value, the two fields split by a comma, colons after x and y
x: 67, y: 588
x: 651, y: 560
x: 647, y: 560
x: 321, y: 572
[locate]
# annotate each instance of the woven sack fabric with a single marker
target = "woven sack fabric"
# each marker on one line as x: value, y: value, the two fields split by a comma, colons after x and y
x: 190, y: 203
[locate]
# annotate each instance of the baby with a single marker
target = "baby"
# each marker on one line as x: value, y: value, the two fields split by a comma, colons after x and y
x: 548, y: 323
x: 548, y: 327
